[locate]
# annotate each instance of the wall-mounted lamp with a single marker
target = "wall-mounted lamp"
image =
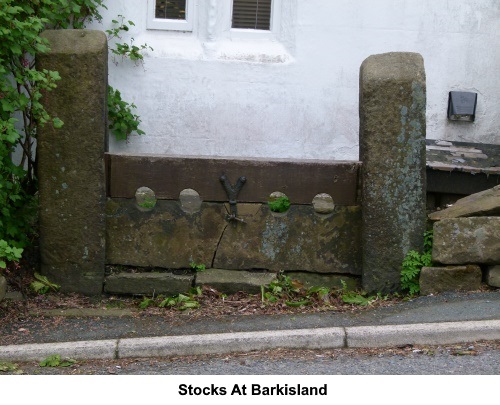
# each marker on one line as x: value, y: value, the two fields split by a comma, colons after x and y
x: 462, y: 106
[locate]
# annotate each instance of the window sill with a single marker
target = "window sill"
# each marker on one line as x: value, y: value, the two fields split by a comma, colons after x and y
x: 172, y: 45
x: 253, y: 51
x: 186, y: 46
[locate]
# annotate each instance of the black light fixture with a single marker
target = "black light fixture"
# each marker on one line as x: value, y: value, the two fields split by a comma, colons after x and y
x: 462, y: 106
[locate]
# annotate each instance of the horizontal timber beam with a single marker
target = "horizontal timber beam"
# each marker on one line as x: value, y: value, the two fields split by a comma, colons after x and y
x: 167, y: 176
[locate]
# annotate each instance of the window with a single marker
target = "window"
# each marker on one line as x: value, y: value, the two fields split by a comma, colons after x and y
x: 252, y: 14
x: 176, y: 15
x: 171, y: 10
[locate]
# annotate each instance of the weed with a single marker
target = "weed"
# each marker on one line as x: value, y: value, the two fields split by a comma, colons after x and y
x: 197, y: 267
x: 180, y: 302
x: 280, y: 204
x: 115, y: 304
x: 5, y: 367
x: 413, y: 263
x: 56, y: 361
x: 147, y: 302
x: 293, y: 293
x: 282, y: 287
x: 42, y: 285
x: 352, y: 297
x: 148, y: 203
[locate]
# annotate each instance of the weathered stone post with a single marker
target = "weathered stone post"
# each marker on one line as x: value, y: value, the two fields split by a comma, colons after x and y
x: 71, y: 162
x: 392, y: 151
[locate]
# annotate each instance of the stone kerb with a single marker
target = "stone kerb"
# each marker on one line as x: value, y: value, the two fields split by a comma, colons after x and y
x: 392, y: 149
x: 71, y: 162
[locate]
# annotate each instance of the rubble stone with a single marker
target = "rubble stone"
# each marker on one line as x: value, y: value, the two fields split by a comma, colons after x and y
x: 435, y: 280
x: 493, y: 276
x: 474, y: 240
x: 485, y: 203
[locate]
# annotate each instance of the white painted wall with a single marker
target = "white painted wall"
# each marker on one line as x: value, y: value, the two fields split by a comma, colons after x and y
x: 295, y: 95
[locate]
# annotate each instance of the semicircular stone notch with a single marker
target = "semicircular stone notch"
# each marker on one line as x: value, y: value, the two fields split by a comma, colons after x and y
x: 279, y: 202
x: 323, y: 204
x: 190, y: 201
x: 145, y: 199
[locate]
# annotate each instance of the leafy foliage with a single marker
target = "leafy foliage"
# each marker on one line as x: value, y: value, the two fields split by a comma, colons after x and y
x: 56, y: 361
x: 21, y: 83
x: 4, y: 367
x: 284, y: 287
x: 42, y: 285
x: 8, y: 253
x: 413, y: 263
x: 122, y: 121
x: 180, y: 302
x: 197, y: 267
x: 183, y: 301
x: 125, y: 50
x: 22, y: 114
x: 293, y: 294
x: 352, y: 297
x: 21, y: 111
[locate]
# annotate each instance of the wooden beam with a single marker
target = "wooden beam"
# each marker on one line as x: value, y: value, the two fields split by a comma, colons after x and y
x: 167, y: 176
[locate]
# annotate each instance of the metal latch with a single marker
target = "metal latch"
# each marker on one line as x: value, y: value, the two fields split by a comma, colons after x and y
x: 232, y: 194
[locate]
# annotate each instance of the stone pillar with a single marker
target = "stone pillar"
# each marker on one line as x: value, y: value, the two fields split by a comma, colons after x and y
x: 392, y: 151
x: 71, y: 162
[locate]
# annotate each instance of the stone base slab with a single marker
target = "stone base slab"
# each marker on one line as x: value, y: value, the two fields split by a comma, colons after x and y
x: 325, y: 280
x: 148, y: 283
x: 169, y: 238
x: 232, y: 281
x: 434, y: 280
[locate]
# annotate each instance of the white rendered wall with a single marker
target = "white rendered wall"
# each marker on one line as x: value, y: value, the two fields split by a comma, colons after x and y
x: 208, y: 92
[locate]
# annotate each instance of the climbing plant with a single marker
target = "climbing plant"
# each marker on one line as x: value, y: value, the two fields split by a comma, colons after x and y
x: 22, y: 114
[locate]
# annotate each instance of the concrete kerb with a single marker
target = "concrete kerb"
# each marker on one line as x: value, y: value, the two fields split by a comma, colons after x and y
x: 225, y: 343
x: 424, y: 333
x: 95, y: 349
x: 323, y: 338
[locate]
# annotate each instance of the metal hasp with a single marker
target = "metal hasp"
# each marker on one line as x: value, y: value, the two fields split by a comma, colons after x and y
x: 232, y: 193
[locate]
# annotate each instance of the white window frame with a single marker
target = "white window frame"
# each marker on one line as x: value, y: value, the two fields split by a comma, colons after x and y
x: 246, y: 33
x: 154, y: 23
